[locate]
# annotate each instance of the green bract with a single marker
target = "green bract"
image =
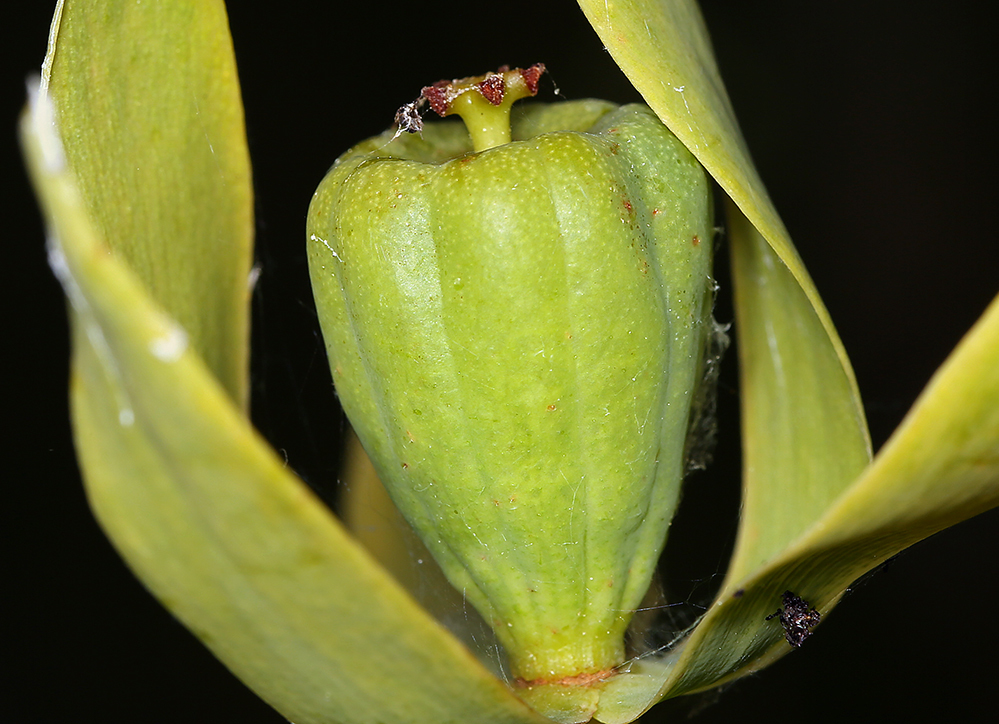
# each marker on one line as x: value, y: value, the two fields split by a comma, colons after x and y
x: 517, y: 336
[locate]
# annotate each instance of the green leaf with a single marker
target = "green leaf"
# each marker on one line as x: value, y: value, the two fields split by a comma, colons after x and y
x: 215, y: 525
x: 664, y: 49
x: 804, y: 432
x: 149, y: 107
x: 803, y: 439
x: 940, y: 467
x: 147, y: 199
x: 809, y: 524
x: 803, y: 445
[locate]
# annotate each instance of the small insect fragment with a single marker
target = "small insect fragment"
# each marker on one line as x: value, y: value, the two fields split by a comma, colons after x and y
x: 408, y: 119
x: 797, y: 617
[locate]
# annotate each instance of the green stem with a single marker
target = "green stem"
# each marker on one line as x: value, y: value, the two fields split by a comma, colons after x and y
x: 488, y: 125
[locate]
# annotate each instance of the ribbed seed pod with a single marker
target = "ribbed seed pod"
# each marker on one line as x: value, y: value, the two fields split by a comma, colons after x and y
x: 517, y: 334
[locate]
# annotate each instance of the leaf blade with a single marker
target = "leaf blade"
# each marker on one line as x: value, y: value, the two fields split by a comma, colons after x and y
x: 939, y: 468
x: 149, y: 106
x: 804, y: 441
x: 209, y: 518
x: 664, y: 49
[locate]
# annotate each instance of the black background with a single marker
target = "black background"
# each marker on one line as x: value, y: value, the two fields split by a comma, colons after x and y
x: 873, y: 126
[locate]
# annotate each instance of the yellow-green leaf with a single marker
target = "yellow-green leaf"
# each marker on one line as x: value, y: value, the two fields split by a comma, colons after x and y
x: 940, y: 467
x: 807, y: 524
x: 804, y: 432
x: 214, y: 524
x: 149, y: 106
x: 664, y: 49
x: 803, y: 439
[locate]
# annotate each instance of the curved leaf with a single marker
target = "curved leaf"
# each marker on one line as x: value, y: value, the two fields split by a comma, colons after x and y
x: 806, y: 525
x: 803, y: 440
x: 664, y: 49
x: 804, y: 433
x: 209, y: 518
x: 150, y: 111
x: 940, y: 467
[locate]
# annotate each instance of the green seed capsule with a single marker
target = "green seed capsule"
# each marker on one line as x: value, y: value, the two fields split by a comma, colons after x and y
x: 516, y: 333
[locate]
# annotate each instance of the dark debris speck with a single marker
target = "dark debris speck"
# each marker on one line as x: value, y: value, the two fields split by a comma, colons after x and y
x: 797, y: 617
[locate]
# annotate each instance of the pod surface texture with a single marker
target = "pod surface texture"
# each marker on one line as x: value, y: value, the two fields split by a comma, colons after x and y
x: 517, y: 337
